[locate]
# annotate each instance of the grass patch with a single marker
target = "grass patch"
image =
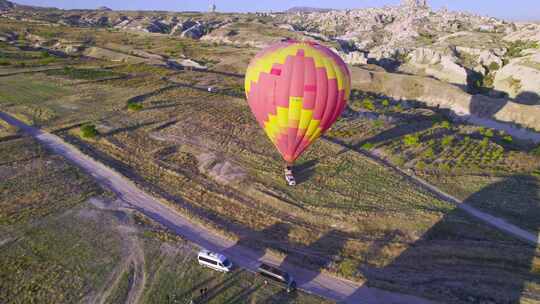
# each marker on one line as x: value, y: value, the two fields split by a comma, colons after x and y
x: 86, y: 74
x: 20, y: 90
x: 35, y: 184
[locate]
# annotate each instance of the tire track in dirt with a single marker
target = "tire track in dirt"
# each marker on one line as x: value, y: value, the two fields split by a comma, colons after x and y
x: 132, y: 256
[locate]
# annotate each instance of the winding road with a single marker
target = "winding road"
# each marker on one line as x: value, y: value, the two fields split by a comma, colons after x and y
x: 324, y: 285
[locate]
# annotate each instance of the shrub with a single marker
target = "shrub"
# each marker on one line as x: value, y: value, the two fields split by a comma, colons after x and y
x: 45, y: 54
x: 347, y: 268
x: 488, y: 133
x: 447, y: 140
x: 536, y: 151
x: 89, y: 131
x: 132, y: 106
x: 385, y: 103
x: 508, y: 138
x: 368, y: 104
x: 485, y: 142
x: 515, y: 48
x: 494, y: 66
x: 378, y: 123
x: 420, y: 165
x: 368, y: 146
x: 411, y: 140
x: 429, y: 153
x: 445, y: 124
x: 444, y: 167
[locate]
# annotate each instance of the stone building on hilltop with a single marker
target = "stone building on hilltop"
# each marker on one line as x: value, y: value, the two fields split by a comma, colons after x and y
x: 415, y: 3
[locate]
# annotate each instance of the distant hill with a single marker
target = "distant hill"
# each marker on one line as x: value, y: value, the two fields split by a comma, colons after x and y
x: 6, y: 5
x: 306, y: 9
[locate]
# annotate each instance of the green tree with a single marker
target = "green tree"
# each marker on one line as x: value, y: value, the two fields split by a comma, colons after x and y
x: 485, y: 142
x: 368, y: 146
x: 508, y: 138
x: 133, y: 106
x: 447, y: 140
x: 347, y: 268
x: 385, y: 103
x: 445, y: 124
x: 536, y: 151
x: 429, y: 153
x: 368, y: 104
x: 89, y: 131
x: 411, y: 140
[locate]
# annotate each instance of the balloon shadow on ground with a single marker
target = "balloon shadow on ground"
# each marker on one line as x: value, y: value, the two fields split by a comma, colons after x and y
x: 305, y: 170
x: 463, y: 260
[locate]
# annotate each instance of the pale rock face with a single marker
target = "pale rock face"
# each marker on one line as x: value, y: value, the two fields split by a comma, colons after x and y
x: 525, y: 32
x: 436, y: 64
x: 354, y: 58
x: 9, y: 36
x: 185, y: 63
x: 485, y: 57
x: 194, y: 32
x: 520, y: 78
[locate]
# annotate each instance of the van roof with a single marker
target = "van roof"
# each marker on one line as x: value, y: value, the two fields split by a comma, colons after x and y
x: 212, y: 255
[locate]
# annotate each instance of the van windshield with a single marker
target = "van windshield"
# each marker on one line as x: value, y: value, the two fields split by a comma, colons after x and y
x: 226, y: 263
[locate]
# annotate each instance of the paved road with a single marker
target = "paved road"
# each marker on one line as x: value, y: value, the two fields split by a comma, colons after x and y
x: 317, y: 283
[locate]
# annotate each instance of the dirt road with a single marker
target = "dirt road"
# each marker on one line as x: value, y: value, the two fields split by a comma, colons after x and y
x: 324, y: 285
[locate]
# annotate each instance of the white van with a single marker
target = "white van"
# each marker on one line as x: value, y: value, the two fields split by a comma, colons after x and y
x: 214, y: 260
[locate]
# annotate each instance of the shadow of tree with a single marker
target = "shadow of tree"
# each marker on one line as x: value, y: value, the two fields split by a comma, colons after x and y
x: 462, y: 260
x: 317, y: 255
x: 528, y: 98
x: 130, y: 128
x: 486, y: 107
x: 261, y: 240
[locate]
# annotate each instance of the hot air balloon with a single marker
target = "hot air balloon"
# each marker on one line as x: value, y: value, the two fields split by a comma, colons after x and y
x: 296, y: 91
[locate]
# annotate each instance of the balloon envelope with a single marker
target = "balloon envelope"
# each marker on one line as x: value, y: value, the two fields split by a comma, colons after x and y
x: 296, y: 90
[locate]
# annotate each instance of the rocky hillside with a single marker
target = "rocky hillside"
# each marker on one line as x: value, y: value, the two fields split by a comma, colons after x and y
x: 6, y: 5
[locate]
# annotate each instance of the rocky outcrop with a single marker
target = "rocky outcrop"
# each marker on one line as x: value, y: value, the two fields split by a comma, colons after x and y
x: 8, y: 36
x: 486, y: 58
x: 436, y: 64
x: 195, y: 32
x: 354, y: 58
x: 497, y: 113
x: 68, y: 48
x: 525, y: 32
x: 520, y: 78
x: 185, y: 63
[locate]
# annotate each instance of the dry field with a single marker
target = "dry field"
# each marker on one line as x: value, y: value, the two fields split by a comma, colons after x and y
x: 65, y: 240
